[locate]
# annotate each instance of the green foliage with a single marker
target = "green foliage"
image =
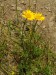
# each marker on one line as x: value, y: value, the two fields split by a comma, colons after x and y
x: 29, y: 49
x: 3, y: 47
x: 32, y: 54
x: 47, y: 70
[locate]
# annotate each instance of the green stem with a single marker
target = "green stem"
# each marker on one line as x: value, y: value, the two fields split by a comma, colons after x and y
x: 16, y: 9
x: 22, y: 36
x: 33, y: 30
x: 9, y: 30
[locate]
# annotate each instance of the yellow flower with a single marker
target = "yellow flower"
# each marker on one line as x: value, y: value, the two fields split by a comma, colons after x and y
x: 42, y: 18
x: 28, y: 15
x: 39, y: 16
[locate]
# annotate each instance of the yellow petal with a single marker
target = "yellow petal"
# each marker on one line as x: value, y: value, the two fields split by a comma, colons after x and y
x: 42, y: 18
x: 28, y: 14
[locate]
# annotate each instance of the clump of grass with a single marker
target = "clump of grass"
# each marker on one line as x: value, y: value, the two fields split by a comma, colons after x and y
x: 33, y: 57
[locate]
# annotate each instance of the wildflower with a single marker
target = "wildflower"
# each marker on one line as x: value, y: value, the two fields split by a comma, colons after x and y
x: 39, y: 16
x: 28, y: 15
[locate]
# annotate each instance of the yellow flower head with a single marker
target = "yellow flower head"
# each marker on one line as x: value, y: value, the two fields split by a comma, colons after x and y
x: 28, y: 15
x: 39, y: 16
